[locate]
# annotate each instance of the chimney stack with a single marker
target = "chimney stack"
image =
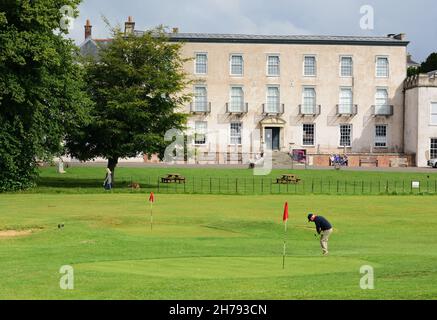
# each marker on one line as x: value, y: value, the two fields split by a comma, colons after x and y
x: 129, y: 26
x: 88, y: 29
x: 400, y: 36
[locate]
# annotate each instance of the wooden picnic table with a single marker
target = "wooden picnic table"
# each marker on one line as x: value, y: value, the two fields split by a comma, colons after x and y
x: 288, y: 179
x: 173, y: 178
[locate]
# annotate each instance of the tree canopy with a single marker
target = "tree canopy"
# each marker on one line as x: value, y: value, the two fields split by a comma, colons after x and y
x: 430, y: 64
x: 136, y: 83
x: 41, y: 88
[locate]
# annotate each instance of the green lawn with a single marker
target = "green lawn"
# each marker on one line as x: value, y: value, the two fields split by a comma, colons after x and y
x: 237, y: 181
x: 215, y: 247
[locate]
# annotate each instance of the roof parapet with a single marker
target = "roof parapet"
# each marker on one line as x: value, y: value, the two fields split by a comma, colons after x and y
x: 421, y: 80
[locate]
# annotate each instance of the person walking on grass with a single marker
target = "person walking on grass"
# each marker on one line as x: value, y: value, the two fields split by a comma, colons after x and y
x: 324, y: 229
x: 107, y: 184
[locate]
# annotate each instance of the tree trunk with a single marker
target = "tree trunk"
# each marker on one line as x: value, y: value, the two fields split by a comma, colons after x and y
x: 112, y: 163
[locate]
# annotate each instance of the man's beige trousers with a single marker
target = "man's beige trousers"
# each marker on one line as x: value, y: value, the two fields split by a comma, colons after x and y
x: 324, y: 240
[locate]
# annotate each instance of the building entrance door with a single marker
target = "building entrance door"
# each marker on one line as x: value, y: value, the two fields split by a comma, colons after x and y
x: 272, y: 138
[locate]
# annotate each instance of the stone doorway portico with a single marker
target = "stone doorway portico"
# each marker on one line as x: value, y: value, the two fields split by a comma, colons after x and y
x: 273, y: 124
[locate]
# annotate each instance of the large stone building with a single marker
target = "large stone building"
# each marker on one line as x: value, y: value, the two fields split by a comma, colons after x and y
x: 318, y: 95
x: 421, y: 117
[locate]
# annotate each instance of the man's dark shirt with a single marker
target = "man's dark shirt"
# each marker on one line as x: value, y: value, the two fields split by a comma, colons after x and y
x: 322, y: 224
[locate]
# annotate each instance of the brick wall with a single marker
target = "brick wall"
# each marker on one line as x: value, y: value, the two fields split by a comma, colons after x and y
x: 367, y: 160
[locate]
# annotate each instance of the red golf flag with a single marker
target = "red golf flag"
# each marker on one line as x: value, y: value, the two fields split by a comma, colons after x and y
x: 285, y: 218
x: 152, y: 197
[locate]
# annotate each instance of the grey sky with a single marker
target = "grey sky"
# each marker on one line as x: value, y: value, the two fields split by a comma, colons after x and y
x: 335, y: 17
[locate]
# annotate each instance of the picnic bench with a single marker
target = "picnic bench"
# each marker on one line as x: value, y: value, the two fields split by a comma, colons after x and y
x: 288, y: 179
x: 173, y: 178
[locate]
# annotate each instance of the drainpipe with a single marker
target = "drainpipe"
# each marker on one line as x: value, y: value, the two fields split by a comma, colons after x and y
x: 404, y: 92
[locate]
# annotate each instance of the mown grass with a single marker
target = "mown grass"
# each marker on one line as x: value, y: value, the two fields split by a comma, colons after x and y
x: 216, y: 247
x: 237, y: 181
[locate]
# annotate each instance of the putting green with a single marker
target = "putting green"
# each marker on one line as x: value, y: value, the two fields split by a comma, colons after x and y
x: 227, y: 267
x: 216, y: 247
x: 176, y: 231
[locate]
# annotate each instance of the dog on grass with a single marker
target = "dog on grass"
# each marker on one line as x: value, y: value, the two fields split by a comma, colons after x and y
x: 135, y: 186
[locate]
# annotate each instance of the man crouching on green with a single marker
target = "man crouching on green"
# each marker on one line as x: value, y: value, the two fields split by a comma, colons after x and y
x: 324, y: 228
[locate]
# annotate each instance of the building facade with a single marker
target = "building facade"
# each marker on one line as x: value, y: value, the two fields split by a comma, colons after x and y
x: 421, y: 117
x: 320, y: 95
x: 323, y: 95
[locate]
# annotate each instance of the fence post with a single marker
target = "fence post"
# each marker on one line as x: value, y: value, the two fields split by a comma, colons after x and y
x: 337, y: 185
x: 262, y: 185
x: 312, y: 185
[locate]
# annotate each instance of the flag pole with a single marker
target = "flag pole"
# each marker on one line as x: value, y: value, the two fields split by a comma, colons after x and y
x: 151, y: 200
x: 151, y: 216
x: 285, y: 220
x: 285, y: 246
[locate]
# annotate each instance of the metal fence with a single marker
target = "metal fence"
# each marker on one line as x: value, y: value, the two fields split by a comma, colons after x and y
x: 260, y: 186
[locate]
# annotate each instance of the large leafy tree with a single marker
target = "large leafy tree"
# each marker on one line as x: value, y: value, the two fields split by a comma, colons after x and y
x: 430, y: 64
x: 41, y: 91
x: 136, y: 83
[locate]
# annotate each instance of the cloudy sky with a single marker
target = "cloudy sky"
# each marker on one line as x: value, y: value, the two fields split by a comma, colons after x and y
x: 324, y: 17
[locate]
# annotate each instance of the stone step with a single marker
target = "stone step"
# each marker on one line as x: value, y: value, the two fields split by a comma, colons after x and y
x: 284, y: 159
